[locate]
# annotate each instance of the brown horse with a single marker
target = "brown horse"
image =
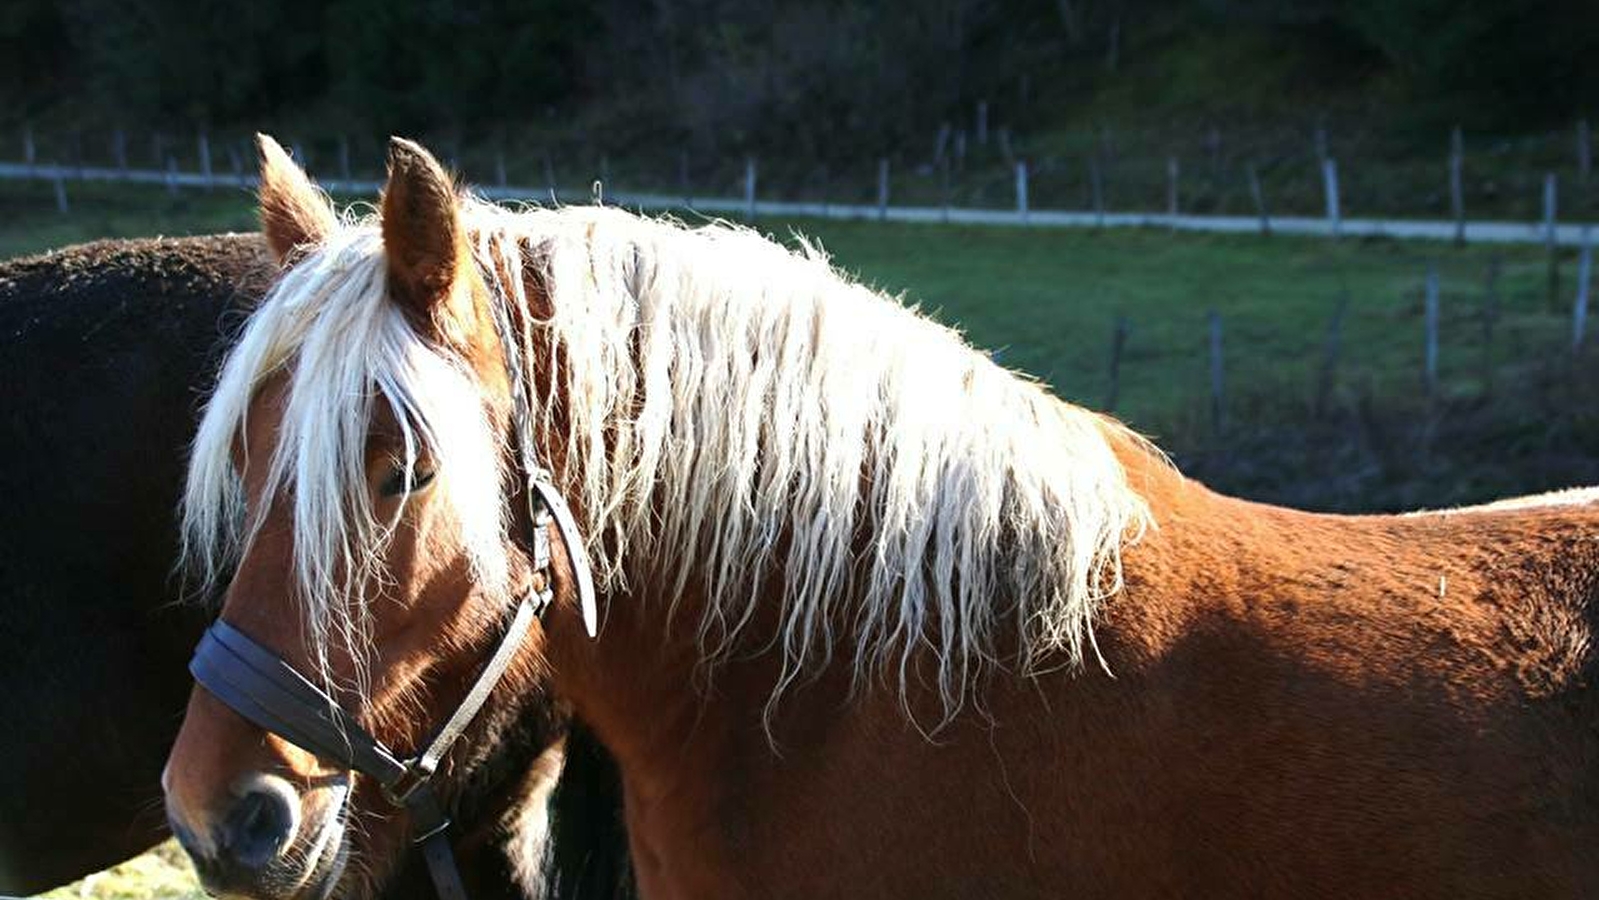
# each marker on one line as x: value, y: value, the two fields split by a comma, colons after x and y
x: 882, y: 619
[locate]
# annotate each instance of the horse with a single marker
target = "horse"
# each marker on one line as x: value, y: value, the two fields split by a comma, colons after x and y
x: 108, y: 348
x: 879, y: 618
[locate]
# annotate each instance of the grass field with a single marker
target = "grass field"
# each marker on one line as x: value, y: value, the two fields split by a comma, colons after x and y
x: 1046, y: 301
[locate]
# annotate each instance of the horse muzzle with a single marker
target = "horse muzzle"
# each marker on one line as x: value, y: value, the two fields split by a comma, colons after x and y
x: 271, y: 843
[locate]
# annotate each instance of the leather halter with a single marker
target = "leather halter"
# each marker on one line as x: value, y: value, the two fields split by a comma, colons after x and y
x: 260, y: 686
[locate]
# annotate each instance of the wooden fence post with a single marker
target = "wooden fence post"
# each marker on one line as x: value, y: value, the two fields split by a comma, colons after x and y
x: 1430, y: 322
x: 749, y: 188
x: 683, y: 179
x: 1172, y: 171
x: 882, y: 189
x: 172, y: 175
x: 1457, y: 193
x: 1096, y: 183
x: 29, y: 151
x: 1217, y: 387
x: 1118, y: 343
x: 1329, y: 178
x: 61, y: 193
x: 1579, y: 311
x: 1584, y: 152
x: 203, y: 148
x: 1021, y: 189
x: 941, y: 143
x: 943, y: 183
x: 119, y: 148
x: 344, y: 158
x: 1551, y: 200
x: 1259, y: 196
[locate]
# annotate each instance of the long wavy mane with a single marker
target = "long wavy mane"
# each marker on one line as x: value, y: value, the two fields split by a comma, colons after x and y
x: 732, y: 412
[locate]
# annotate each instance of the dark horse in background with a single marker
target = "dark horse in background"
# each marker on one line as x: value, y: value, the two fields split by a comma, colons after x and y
x: 105, y: 352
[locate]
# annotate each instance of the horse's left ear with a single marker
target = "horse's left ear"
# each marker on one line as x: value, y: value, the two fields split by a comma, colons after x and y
x: 422, y: 233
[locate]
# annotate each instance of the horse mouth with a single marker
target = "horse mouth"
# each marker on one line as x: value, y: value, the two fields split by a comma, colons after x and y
x: 329, y: 853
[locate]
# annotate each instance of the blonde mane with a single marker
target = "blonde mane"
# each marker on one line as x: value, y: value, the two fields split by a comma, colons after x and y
x: 733, y: 413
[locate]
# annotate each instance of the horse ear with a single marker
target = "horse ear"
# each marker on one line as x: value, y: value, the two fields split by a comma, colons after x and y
x: 294, y: 212
x: 422, y: 233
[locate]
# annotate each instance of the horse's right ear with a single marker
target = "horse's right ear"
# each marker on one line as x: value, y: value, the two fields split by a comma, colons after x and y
x: 294, y: 212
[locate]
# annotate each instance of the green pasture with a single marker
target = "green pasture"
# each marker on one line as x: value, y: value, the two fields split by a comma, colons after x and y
x: 1046, y: 301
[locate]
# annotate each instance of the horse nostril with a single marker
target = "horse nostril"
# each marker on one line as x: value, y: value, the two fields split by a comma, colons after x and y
x: 258, y: 828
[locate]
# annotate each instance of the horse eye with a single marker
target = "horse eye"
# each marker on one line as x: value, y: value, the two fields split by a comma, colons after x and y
x: 396, y: 482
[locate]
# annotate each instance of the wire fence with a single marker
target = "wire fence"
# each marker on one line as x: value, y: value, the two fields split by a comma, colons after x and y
x: 1104, y: 180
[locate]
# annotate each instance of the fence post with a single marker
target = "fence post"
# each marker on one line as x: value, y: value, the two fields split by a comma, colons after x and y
x: 882, y: 189
x: 172, y: 175
x: 1430, y: 359
x: 941, y: 143
x: 960, y: 150
x: 1457, y: 193
x: 1579, y: 312
x: 29, y: 151
x: 749, y: 188
x: 1217, y: 396
x: 203, y: 147
x: 61, y: 193
x: 549, y: 178
x: 499, y: 167
x: 1329, y: 178
x: 1259, y: 196
x: 119, y: 148
x: 1118, y: 343
x: 1584, y: 152
x: 344, y: 158
x: 1172, y: 171
x: 1096, y: 183
x: 1021, y: 189
x: 1551, y: 245
x: 683, y: 179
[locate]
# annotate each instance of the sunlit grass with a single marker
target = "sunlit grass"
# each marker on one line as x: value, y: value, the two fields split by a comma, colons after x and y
x: 163, y: 873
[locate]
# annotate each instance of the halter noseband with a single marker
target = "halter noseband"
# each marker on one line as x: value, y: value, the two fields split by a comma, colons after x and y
x: 259, y: 685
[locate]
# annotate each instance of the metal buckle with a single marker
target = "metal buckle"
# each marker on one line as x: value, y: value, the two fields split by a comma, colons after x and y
x: 416, y: 775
